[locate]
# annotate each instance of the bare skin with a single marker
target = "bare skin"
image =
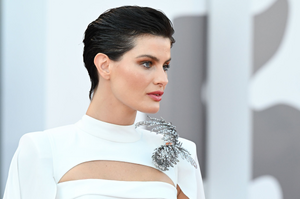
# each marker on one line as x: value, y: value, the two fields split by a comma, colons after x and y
x: 121, y: 92
x: 124, y: 84
x: 114, y: 170
x: 180, y: 194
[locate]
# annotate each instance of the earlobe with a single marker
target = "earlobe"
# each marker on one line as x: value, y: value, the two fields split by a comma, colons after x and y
x: 102, y: 62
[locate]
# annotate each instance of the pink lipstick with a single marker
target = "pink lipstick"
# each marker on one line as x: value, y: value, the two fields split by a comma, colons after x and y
x: 156, y: 95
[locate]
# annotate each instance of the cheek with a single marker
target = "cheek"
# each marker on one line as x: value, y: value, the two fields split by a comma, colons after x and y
x: 132, y: 82
x: 135, y: 81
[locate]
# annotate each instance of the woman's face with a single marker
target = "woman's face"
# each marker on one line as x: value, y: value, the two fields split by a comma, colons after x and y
x: 139, y: 78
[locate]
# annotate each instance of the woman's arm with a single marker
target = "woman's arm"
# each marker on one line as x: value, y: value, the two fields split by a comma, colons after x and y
x: 31, y: 174
x: 189, y: 179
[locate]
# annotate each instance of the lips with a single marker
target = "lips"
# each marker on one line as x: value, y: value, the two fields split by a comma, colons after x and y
x: 156, y: 95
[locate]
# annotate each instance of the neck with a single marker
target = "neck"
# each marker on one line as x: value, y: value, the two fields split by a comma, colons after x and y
x: 105, y: 107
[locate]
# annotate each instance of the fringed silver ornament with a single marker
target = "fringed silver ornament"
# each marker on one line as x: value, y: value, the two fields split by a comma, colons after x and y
x: 166, y: 155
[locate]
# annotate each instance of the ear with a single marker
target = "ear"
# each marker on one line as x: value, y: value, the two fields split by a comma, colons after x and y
x: 102, y: 62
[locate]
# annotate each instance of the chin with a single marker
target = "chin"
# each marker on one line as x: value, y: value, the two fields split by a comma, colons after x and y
x: 150, y: 110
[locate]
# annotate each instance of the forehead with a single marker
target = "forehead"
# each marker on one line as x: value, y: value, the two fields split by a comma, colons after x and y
x: 151, y: 44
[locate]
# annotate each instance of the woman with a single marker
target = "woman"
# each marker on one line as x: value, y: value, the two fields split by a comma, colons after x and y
x: 103, y: 156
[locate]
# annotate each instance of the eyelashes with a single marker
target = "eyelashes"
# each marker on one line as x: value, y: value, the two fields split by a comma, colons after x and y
x: 149, y: 64
x: 166, y: 67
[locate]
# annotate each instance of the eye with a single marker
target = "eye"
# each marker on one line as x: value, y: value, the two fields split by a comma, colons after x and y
x: 147, y: 64
x: 166, y: 67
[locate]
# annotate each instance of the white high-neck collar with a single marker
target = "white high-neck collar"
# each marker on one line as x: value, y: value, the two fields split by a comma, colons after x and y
x: 108, y: 131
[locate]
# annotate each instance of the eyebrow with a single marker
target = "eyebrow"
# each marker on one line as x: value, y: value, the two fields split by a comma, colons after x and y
x: 152, y: 57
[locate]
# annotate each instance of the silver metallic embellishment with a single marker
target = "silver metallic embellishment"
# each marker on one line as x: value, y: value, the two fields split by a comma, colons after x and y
x: 166, y: 155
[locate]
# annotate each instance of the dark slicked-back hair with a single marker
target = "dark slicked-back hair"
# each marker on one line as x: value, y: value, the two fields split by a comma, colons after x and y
x: 114, y: 31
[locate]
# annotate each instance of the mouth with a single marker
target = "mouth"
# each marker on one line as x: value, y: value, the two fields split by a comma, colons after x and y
x: 156, y: 95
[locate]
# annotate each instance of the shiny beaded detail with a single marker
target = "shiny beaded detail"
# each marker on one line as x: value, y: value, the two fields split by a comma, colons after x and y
x: 166, y: 155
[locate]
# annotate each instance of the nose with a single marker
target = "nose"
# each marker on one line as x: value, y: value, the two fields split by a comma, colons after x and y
x: 161, y: 77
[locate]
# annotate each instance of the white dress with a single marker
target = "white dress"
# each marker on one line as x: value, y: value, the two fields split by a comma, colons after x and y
x: 42, y: 158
